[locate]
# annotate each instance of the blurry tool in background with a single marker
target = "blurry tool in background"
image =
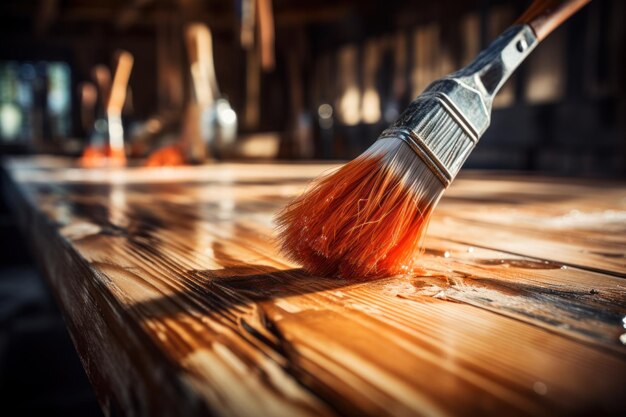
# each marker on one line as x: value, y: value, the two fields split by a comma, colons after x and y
x: 348, y: 101
x: 88, y: 100
x: 257, y: 145
x: 200, y: 49
x: 266, y: 33
x: 349, y: 97
x: 117, y: 98
x: 35, y: 104
x: 191, y: 145
x: 94, y: 153
x: 257, y: 52
x: 11, y: 116
x: 370, y: 101
x: 252, y: 109
x: 164, y: 126
x: 210, y: 124
x: 247, y: 15
x: 218, y: 119
x: 102, y: 76
x: 58, y: 99
x: 106, y: 146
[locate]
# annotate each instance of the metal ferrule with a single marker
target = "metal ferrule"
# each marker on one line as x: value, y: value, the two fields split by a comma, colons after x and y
x: 445, y: 122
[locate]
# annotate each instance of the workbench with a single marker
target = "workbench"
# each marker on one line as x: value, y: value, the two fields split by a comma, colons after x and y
x: 180, y: 304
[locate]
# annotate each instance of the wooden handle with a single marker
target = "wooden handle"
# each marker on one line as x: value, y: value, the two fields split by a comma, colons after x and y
x: 200, y: 48
x: 265, y: 15
x: 544, y: 16
x: 120, y: 81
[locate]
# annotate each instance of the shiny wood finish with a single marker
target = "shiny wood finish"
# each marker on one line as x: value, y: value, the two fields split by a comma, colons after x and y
x: 179, y: 304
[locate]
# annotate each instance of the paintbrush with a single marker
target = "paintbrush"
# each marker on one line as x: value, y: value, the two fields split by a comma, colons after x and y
x: 115, y: 104
x: 368, y: 218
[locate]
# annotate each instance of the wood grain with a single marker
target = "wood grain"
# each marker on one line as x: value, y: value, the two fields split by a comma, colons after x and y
x: 179, y: 303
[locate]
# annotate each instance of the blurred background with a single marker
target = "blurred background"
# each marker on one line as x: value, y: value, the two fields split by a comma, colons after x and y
x: 308, y: 80
x: 267, y: 79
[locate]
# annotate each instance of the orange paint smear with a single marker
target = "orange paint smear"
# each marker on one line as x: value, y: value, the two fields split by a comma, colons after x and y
x: 167, y: 156
x: 358, y: 223
x: 100, y: 156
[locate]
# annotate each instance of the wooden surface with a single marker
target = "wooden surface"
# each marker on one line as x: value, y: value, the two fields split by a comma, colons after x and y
x: 180, y: 305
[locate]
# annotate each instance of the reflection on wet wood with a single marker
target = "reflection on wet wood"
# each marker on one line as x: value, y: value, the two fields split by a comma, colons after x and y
x: 179, y: 303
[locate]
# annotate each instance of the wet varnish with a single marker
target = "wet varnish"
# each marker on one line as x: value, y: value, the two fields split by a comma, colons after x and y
x: 179, y: 303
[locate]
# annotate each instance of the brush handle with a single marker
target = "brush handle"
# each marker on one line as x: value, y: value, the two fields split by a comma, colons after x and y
x: 116, y: 103
x: 494, y: 65
x: 445, y: 122
x: 265, y: 16
x: 543, y: 16
x: 119, y: 87
x: 200, y: 49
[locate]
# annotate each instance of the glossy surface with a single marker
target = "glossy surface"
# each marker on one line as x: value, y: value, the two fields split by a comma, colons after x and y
x: 179, y: 303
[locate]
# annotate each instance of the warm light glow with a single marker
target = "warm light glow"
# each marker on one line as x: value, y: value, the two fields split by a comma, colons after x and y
x: 370, y: 110
x: 426, y: 49
x: 370, y: 102
x: 349, y: 102
x: 325, y: 113
x: 153, y: 125
x: 225, y: 114
x: 260, y: 146
x: 349, y: 106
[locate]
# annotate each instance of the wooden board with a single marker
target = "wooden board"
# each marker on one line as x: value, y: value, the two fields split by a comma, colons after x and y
x: 180, y: 304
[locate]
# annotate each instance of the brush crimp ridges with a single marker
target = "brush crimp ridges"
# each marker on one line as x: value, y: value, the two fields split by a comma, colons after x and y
x: 436, y: 129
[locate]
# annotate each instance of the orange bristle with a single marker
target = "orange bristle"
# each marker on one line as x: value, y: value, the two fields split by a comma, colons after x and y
x: 101, y: 156
x: 92, y: 156
x: 365, y: 220
x: 168, y: 156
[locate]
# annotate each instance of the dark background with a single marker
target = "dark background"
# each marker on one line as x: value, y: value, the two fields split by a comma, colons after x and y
x: 562, y: 113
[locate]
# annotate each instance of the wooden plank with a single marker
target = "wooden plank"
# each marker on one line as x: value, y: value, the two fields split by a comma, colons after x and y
x: 565, y: 222
x: 179, y: 303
